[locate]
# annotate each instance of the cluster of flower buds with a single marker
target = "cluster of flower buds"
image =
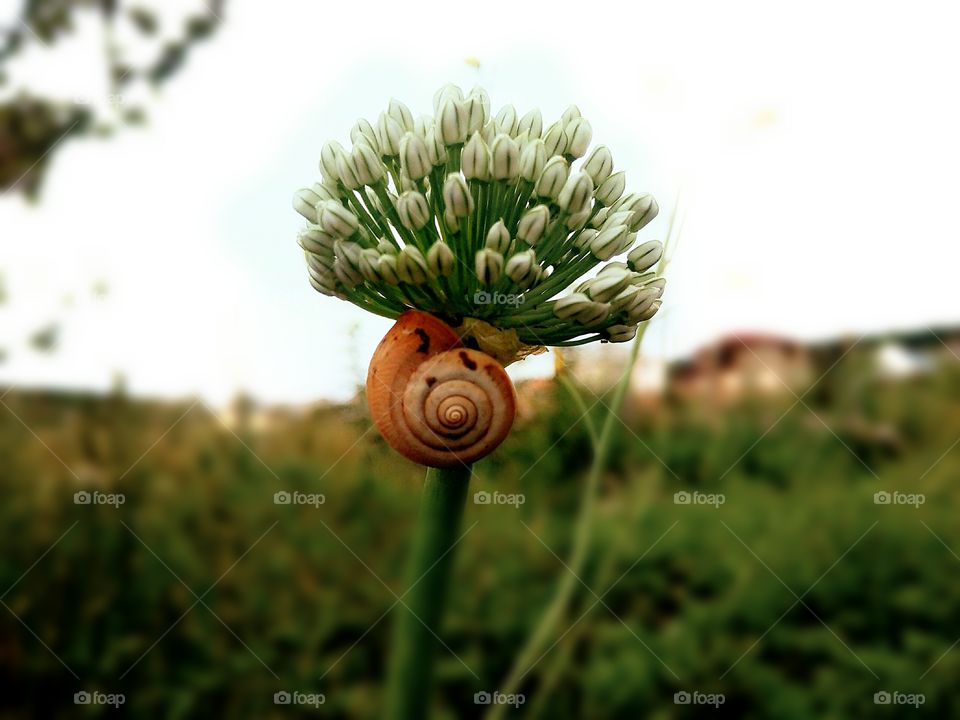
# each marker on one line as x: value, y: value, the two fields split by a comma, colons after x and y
x: 434, y: 212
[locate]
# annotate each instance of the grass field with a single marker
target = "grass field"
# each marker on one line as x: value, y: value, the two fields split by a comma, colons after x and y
x: 781, y: 585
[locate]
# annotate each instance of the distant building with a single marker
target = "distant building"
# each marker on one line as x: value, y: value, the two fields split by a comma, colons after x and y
x: 742, y: 365
x: 893, y: 361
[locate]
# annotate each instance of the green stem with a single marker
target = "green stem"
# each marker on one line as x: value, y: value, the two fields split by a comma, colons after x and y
x: 410, y: 668
x: 535, y: 645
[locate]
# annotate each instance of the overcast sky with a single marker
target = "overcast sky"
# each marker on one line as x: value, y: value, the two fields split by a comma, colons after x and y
x: 817, y: 150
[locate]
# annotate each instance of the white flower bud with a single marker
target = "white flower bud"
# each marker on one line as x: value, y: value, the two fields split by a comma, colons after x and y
x: 641, y: 302
x: 595, y: 314
x: 626, y: 201
x: 576, y: 193
x: 436, y: 150
x: 413, y: 210
x: 532, y: 160
x: 658, y: 284
x: 498, y: 238
x: 578, y: 220
x: 452, y: 221
x: 555, y: 141
x: 336, y: 220
x: 448, y: 91
x: 348, y: 250
x: 363, y: 132
x: 390, y: 133
x: 489, y: 266
x: 625, y: 299
x: 615, y: 266
x: 369, y: 265
x: 645, y: 209
x: 422, y: 126
x: 506, y: 157
x: 305, y: 202
x: 605, y: 286
x: 321, y: 263
x: 367, y: 164
x: 507, y: 120
x: 604, y: 245
x: 570, y: 305
x: 599, y: 164
x: 611, y: 218
x: 348, y: 174
x: 401, y: 113
x: 440, y: 259
x: 579, y: 134
x: 314, y: 240
x: 648, y: 313
x: 327, y: 192
x: 475, y: 159
x: 599, y: 218
x: 531, y: 123
x: 532, y: 224
x: 347, y: 266
x: 414, y: 159
x: 523, y: 269
x: 583, y: 240
x: 489, y: 132
x: 328, y: 161
x: 373, y: 202
x: 645, y: 256
x: 621, y: 333
x: 522, y: 140
x: 571, y: 113
x: 552, y: 178
x: 412, y: 266
x: 453, y: 122
x: 456, y: 196
x: 388, y: 269
x: 610, y: 190
x: 478, y: 92
x: 477, y: 105
x: 323, y: 283
x: 321, y: 267
x: 627, y: 243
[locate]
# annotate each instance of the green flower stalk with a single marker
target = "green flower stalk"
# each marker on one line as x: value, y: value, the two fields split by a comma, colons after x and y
x: 434, y: 213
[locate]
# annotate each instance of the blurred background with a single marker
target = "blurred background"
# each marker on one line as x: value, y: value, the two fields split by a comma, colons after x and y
x: 777, y: 528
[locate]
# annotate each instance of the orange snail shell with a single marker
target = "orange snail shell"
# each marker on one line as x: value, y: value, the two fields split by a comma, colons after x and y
x: 433, y: 400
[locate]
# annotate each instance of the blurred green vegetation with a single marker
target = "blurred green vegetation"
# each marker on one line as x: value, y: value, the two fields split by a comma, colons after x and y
x: 301, y: 592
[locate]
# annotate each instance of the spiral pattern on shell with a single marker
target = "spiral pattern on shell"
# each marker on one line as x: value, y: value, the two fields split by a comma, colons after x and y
x: 434, y: 401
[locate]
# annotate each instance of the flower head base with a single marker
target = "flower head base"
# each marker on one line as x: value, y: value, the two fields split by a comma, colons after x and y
x: 448, y: 214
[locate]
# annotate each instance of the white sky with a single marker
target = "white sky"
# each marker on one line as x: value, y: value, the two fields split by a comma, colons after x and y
x: 817, y: 149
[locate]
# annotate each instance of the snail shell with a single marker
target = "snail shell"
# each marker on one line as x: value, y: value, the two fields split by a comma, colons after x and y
x: 434, y: 401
